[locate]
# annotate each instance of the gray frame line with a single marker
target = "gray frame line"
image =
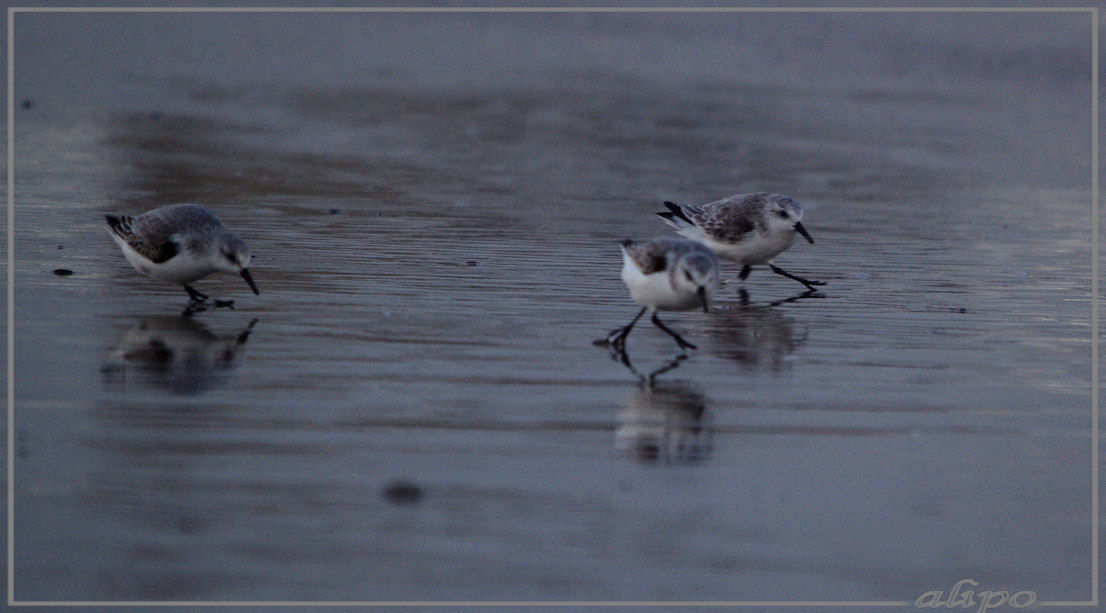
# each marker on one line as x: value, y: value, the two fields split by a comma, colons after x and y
x: 549, y: 9
x: 11, y: 305
x: 474, y: 603
x: 1095, y: 529
x: 1095, y: 202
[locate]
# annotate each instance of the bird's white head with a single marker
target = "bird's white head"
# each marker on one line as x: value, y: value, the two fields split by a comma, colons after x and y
x: 785, y: 215
x: 696, y: 272
x: 234, y: 257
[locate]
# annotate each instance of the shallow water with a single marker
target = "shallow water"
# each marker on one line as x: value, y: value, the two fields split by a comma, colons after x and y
x: 434, y: 228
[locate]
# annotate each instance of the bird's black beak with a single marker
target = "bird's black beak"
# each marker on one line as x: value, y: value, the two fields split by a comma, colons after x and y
x: 702, y: 291
x: 246, y: 275
x: 801, y: 230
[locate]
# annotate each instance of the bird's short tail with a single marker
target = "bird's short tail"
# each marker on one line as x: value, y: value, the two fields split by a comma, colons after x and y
x: 675, y: 216
x: 119, y: 225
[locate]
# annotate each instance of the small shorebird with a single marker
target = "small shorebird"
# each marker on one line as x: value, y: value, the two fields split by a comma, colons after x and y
x: 749, y: 229
x: 665, y: 274
x: 181, y: 243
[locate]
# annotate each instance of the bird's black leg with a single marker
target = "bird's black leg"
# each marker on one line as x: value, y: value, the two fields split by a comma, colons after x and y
x: 624, y: 358
x: 809, y: 284
x: 194, y: 295
x: 617, y: 337
x: 679, y: 339
x: 744, y: 274
x: 199, y: 302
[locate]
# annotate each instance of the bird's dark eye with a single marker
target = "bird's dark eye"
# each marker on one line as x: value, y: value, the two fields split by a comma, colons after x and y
x: 689, y: 277
x: 782, y: 214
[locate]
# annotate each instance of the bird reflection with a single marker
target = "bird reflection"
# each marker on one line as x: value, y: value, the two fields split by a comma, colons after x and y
x: 758, y: 337
x: 177, y: 354
x: 665, y: 424
x: 618, y: 353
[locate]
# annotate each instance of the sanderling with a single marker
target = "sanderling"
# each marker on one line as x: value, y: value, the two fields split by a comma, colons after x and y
x: 181, y: 243
x: 750, y: 229
x: 667, y: 274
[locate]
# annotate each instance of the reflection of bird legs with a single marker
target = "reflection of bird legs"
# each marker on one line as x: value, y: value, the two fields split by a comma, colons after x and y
x: 616, y: 339
x: 667, y: 367
x: 743, y: 296
x: 245, y: 334
x: 810, y: 293
x: 619, y: 353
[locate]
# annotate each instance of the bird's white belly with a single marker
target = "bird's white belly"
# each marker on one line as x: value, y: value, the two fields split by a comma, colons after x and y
x: 756, y: 249
x: 177, y: 269
x: 655, y: 290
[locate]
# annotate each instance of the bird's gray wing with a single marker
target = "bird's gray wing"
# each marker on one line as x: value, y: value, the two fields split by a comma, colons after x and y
x: 648, y: 257
x: 729, y: 220
x: 146, y: 234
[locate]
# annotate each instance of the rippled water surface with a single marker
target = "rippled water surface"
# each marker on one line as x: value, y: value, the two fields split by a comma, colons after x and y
x: 413, y: 408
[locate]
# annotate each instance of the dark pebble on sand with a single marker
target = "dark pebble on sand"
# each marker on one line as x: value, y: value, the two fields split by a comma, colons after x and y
x: 402, y: 492
x: 472, y: 263
x: 62, y: 272
x: 334, y: 211
x: 27, y: 103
